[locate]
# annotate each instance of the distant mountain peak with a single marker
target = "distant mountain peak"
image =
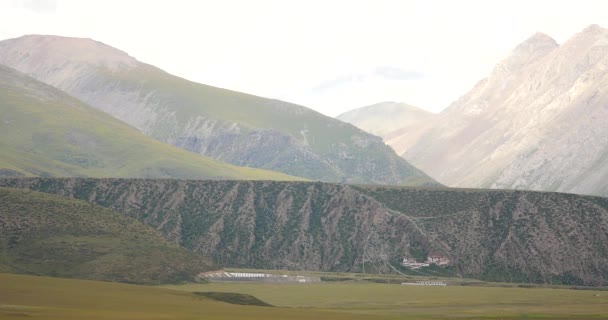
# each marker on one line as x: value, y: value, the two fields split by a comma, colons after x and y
x: 594, y: 29
x: 62, y: 49
x: 539, y: 38
x: 531, y: 49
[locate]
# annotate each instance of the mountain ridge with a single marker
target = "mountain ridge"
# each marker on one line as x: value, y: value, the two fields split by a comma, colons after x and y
x: 499, y: 235
x: 46, y: 132
x: 535, y: 126
x: 233, y: 127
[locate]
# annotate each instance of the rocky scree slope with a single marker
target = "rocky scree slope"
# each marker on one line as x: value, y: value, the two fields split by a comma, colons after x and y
x: 229, y: 126
x: 46, y: 132
x: 46, y: 234
x: 495, y: 235
x: 539, y: 121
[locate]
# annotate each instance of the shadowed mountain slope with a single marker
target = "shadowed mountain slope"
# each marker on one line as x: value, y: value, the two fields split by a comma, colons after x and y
x: 491, y: 234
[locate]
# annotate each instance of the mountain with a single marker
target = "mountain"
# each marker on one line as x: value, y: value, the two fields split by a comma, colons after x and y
x: 45, y: 132
x: 500, y: 235
x: 45, y: 234
x: 538, y: 121
x: 383, y: 119
x: 229, y: 126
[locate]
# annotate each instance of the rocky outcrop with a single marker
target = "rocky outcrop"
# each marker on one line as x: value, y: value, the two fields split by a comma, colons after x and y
x: 539, y: 121
x: 229, y: 126
x: 495, y: 235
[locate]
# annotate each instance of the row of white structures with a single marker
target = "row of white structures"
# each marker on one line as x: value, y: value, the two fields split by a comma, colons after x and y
x: 425, y: 283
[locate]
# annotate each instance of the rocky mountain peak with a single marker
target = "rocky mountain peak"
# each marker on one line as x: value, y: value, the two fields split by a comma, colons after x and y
x: 594, y: 29
x: 526, y: 53
x: 539, y: 39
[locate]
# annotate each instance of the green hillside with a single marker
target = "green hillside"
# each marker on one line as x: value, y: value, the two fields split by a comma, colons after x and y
x: 271, y: 134
x: 45, y: 132
x: 229, y: 126
x: 45, y: 234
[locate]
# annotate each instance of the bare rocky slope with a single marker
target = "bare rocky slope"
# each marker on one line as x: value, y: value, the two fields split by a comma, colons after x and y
x: 383, y: 119
x: 233, y: 127
x: 493, y: 234
x: 539, y: 121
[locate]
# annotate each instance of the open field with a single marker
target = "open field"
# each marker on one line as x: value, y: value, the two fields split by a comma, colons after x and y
x: 34, y: 297
x: 31, y: 297
x: 376, y: 300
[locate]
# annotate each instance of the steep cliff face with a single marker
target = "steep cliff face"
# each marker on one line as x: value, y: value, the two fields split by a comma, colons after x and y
x: 539, y: 121
x: 495, y: 235
x: 229, y: 126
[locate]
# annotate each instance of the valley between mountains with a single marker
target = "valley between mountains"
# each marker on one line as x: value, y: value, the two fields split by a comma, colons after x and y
x: 112, y: 169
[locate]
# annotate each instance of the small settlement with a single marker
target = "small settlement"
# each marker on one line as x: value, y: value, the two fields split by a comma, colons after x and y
x: 223, y: 276
x: 436, y: 259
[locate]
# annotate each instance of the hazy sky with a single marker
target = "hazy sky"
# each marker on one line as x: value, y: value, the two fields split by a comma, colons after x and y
x: 329, y: 55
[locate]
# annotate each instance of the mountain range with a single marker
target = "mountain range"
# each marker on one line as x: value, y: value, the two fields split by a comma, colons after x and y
x: 229, y: 126
x: 539, y: 121
x: 499, y: 235
x: 116, y: 170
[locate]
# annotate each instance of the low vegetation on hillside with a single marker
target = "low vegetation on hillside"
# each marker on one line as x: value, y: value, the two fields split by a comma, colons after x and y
x: 512, y: 236
x: 43, y: 234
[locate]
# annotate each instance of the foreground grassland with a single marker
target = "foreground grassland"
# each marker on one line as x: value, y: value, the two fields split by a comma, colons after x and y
x: 378, y: 301
x: 30, y: 297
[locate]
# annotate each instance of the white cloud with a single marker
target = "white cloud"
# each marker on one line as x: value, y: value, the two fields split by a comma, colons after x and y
x: 284, y: 49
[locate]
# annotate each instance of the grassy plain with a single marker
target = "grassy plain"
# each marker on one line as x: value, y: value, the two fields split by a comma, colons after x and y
x: 376, y: 300
x: 31, y: 297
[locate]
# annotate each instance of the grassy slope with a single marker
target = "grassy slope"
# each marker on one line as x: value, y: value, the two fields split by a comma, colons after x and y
x: 45, y: 132
x: 192, y: 99
x: 325, y: 136
x: 48, y: 298
x: 49, y: 235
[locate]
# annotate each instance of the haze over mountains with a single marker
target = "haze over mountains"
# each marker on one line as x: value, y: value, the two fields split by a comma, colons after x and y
x: 539, y: 121
x: 383, y: 119
x: 229, y: 126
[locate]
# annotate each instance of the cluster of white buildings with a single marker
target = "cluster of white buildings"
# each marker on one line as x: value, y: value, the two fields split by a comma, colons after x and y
x: 435, y: 259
